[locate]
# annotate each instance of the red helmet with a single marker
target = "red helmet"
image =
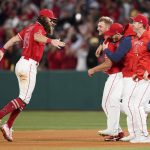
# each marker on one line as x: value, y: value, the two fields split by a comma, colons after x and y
x: 47, y: 13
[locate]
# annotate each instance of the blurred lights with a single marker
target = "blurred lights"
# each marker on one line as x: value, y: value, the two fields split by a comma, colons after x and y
x: 78, y: 17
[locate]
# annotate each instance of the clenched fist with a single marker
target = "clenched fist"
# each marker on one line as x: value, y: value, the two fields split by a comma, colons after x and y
x: 91, y: 72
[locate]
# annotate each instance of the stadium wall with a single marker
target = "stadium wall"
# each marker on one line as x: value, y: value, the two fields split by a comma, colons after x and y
x: 57, y: 90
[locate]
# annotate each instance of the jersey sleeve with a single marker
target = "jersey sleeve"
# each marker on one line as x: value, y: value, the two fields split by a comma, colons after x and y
x: 39, y: 30
x: 124, y: 46
x: 21, y: 34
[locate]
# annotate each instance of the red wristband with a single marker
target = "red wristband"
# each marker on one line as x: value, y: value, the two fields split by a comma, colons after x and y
x: 48, y: 40
x: 3, y: 49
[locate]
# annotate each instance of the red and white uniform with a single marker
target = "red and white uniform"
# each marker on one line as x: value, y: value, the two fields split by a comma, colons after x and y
x: 112, y: 94
x: 136, y: 94
x: 26, y: 67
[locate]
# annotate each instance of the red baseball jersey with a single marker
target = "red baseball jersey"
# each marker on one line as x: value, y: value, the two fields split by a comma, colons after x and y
x: 130, y: 60
x: 31, y: 48
x: 143, y: 55
x: 116, y: 67
x: 137, y: 59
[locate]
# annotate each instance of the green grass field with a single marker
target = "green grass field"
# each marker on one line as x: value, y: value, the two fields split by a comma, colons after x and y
x: 44, y: 120
x: 65, y: 120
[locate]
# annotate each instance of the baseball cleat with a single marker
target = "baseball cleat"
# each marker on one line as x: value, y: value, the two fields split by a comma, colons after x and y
x: 127, y: 138
x: 115, y: 138
x: 7, y: 133
x: 140, y: 139
x: 107, y: 132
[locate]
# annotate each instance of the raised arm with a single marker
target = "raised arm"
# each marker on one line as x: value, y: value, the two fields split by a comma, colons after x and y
x: 43, y: 39
x: 8, y: 44
x: 11, y: 42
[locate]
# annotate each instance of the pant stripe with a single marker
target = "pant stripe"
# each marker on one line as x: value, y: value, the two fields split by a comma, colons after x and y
x: 29, y: 82
x: 139, y: 107
x: 130, y: 109
x: 109, y: 93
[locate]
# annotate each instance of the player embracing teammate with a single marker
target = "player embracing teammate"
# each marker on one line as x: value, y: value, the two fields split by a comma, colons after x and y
x: 113, y: 86
x: 135, y: 81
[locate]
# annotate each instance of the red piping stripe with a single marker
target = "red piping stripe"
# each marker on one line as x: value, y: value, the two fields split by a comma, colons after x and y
x: 139, y: 106
x: 129, y: 107
x: 109, y: 93
x: 29, y: 82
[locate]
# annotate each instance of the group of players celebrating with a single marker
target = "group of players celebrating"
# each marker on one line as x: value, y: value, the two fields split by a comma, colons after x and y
x: 126, y: 57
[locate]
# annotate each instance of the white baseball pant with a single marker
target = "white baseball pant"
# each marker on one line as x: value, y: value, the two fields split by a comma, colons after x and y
x: 26, y: 71
x: 111, y: 101
x: 135, y: 95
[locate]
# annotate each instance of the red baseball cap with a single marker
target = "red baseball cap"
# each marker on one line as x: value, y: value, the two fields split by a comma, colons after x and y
x: 114, y: 29
x: 140, y: 18
x: 47, y: 13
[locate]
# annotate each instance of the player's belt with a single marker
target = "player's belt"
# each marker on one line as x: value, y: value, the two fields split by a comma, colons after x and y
x: 31, y: 60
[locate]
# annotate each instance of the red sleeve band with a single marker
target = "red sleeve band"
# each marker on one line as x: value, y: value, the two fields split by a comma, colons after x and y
x: 48, y: 40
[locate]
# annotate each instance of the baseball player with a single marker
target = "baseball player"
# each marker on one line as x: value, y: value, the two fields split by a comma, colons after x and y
x: 116, y: 57
x: 113, y: 87
x: 33, y: 38
x: 135, y: 94
x: 103, y: 26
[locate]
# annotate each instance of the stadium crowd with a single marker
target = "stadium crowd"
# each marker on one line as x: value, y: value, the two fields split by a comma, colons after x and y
x: 76, y: 26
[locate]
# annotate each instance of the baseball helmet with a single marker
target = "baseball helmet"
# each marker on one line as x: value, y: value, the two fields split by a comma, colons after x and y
x: 47, y: 13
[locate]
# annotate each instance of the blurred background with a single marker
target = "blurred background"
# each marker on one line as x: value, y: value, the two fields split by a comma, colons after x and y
x: 63, y: 73
x: 77, y: 26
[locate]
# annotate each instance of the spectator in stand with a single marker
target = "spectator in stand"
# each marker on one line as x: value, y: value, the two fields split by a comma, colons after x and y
x: 82, y: 15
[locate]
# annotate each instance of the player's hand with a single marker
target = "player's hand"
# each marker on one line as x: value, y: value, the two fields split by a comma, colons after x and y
x: 145, y: 76
x: 57, y: 43
x: 91, y: 72
x: 1, y: 54
x: 105, y: 45
x: 97, y: 53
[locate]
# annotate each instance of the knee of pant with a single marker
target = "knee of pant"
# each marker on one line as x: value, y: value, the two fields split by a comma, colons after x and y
x: 115, y: 104
x: 127, y: 109
x: 138, y: 106
x: 25, y: 100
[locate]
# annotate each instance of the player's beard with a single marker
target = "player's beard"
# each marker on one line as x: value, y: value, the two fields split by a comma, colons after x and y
x: 51, y: 30
x: 48, y: 28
